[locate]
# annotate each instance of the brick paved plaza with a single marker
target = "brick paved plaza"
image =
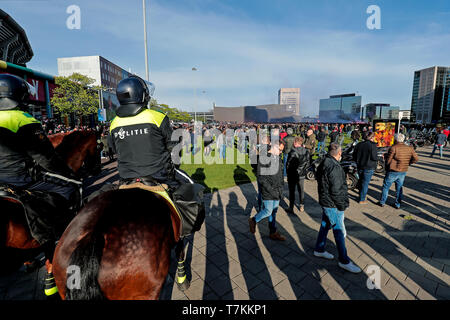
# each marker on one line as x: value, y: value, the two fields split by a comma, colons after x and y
x: 411, y: 246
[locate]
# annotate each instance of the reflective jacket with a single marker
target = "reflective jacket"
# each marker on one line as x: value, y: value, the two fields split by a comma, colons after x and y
x: 22, y: 140
x: 143, y: 144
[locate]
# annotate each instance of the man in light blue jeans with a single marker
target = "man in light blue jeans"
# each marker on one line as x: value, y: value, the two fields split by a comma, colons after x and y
x: 332, y: 219
x: 393, y: 177
x: 398, y: 159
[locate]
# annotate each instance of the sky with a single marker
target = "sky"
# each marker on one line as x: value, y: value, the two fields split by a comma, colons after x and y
x: 245, y: 50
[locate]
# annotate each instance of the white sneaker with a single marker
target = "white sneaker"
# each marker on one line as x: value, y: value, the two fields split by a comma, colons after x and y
x: 324, y: 254
x: 350, y: 267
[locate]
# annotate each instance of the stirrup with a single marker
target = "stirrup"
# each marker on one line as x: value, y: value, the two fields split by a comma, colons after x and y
x: 50, y: 287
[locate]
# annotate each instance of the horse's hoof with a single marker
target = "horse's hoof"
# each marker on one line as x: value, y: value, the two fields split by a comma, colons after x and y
x: 184, y: 285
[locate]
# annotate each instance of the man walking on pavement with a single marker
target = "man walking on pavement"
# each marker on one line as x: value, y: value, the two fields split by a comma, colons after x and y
x: 270, y: 178
x: 398, y: 159
x: 366, y: 156
x: 333, y: 197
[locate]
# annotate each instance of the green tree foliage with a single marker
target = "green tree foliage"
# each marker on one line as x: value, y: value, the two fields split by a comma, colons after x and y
x: 75, y: 94
x: 173, y: 113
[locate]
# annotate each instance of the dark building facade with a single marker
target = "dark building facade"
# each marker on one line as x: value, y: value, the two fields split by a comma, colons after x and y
x: 340, y: 108
x: 257, y: 114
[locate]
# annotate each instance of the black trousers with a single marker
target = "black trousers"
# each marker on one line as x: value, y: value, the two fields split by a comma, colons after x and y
x: 294, y: 183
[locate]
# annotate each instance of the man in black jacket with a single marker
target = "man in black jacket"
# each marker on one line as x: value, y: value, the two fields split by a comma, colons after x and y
x: 321, y: 136
x: 297, y: 166
x: 366, y: 156
x: 334, y: 135
x: 333, y: 197
x: 270, y: 179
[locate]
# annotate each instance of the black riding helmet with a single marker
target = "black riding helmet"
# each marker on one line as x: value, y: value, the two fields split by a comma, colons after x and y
x: 13, y: 91
x: 133, y: 95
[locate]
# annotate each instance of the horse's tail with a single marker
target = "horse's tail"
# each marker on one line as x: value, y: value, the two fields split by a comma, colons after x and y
x: 86, y: 259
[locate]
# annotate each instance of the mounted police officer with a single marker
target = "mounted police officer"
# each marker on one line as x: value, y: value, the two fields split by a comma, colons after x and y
x: 23, y: 144
x: 142, y: 138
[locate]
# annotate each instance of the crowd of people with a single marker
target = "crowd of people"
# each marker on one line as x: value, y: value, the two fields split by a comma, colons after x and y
x: 294, y: 148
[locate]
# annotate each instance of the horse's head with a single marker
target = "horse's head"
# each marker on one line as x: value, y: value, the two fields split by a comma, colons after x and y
x: 80, y: 148
x: 92, y: 161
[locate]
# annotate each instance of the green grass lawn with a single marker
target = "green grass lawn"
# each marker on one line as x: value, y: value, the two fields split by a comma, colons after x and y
x: 221, y: 176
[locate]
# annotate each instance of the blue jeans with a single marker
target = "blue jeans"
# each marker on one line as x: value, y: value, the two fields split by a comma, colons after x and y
x: 332, y: 218
x: 223, y: 151
x: 320, y: 145
x: 393, y: 177
x: 259, y: 197
x: 440, y: 149
x: 285, y: 157
x: 364, y: 180
x: 270, y: 208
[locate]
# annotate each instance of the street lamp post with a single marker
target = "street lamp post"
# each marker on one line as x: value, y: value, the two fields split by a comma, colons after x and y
x: 195, y: 98
x: 145, y: 41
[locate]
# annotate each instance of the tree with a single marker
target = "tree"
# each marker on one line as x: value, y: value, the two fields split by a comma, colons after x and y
x: 173, y: 113
x: 75, y: 94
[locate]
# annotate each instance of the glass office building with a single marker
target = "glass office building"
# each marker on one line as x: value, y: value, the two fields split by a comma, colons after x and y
x: 385, y: 111
x: 340, y: 108
x: 430, y: 101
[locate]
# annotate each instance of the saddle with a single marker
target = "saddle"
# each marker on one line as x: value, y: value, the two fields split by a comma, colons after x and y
x: 9, y: 194
x: 161, y: 190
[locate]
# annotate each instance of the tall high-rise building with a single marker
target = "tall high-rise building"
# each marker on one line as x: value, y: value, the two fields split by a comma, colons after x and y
x: 430, y: 101
x: 340, y: 108
x: 290, y: 97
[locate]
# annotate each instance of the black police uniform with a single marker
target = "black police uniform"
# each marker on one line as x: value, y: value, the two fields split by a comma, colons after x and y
x: 143, y: 146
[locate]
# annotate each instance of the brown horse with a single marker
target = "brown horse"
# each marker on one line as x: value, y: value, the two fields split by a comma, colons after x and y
x: 118, y: 247
x: 78, y: 148
x: 16, y: 240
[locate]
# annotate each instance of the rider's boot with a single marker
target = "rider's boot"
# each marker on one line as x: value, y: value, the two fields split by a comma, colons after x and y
x: 50, y: 288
